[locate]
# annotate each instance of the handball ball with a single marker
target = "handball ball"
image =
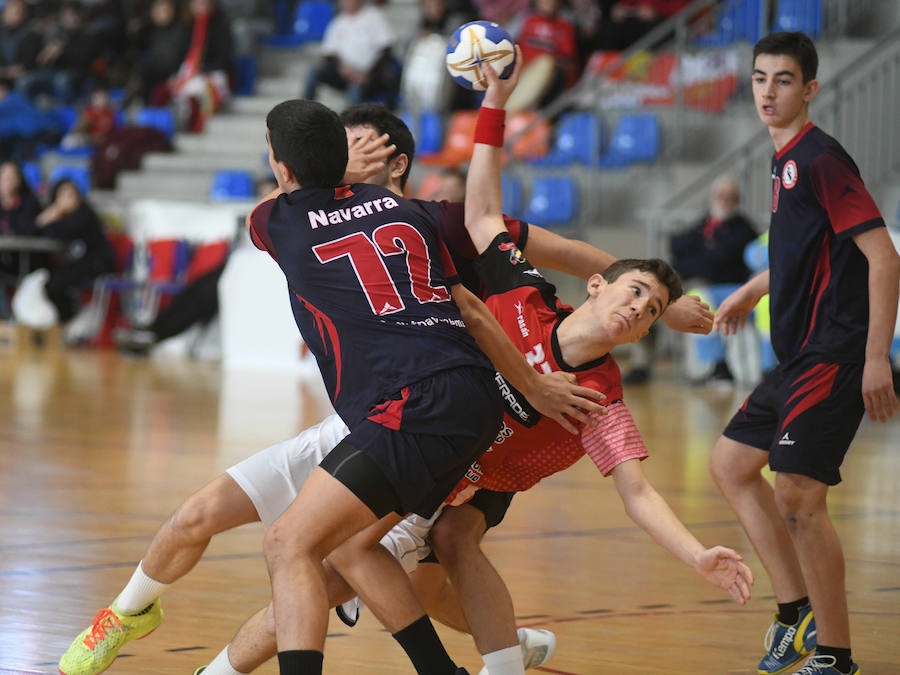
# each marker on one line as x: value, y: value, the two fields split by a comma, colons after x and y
x: 475, y: 44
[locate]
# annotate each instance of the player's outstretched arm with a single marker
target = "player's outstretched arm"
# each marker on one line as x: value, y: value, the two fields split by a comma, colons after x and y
x: 884, y: 278
x: 720, y: 566
x: 689, y: 314
x: 484, y: 194
x: 734, y: 310
x: 555, y: 395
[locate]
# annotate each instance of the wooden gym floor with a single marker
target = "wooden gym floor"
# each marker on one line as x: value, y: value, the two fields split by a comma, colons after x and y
x: 97, y: 450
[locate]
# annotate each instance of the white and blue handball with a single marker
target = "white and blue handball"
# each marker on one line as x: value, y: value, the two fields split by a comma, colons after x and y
x: 475, y: 45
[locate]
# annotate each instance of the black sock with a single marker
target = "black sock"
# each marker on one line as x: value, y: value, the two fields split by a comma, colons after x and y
x: 843, y: 661
x: 789, y: 612
x: 300, y: 662
x: 423, y: 646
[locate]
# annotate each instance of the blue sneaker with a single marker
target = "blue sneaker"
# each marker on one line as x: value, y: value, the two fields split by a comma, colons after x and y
x: 787, y: 645
x: 823, y: 664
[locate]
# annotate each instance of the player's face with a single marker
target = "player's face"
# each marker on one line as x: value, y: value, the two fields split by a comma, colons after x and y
x: 779, y: 92
x: 629, y: 305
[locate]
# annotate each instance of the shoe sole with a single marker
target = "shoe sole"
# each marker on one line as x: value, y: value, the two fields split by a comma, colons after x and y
x: 787, y: 667
x: 62, y: 672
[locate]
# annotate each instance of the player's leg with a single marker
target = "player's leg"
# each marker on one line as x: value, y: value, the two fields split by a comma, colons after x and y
x: 736, y: 469
x: 438, y: 596
x: 484, y: 598
x: 173, y: 552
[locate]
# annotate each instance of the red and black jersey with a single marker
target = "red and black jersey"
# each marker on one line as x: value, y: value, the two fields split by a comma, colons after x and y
x: 529, y: 446
x: 818, y: 277
x: 369, y: 281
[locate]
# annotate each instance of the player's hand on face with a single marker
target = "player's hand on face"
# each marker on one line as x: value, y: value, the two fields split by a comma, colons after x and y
x: 498, y: 91
x: 560, y: 397
x: 724, y: 567
x: 367, y: 154
x: 689, y: 314
x: 733, y: 312
x: 878, y: 389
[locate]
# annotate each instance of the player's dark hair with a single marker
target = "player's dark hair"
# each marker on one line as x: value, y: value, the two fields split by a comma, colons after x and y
x: 383, y: 121
x: 795, y: 44
x: 310, y: 140
x: 662, y: 270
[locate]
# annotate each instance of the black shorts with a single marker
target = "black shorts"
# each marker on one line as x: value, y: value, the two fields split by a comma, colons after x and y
x: 805, y: 415
x: 493, y: 505
x: 391, y: 461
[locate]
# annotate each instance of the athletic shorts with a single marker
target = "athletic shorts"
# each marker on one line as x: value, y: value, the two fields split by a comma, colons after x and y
x: 412, y: 450
x: 273, y: 477
x: 805, y: 415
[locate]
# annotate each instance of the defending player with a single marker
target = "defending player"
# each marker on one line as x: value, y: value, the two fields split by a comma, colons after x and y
x: 833, y: 286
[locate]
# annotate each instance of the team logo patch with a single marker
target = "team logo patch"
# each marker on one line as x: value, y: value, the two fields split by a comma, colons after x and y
x: 789, y: 175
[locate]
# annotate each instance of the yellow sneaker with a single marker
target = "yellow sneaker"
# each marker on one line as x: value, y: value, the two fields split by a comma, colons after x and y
x: 98, y: 646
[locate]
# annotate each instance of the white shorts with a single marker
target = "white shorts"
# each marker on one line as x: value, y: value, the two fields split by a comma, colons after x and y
x: 273, y: 477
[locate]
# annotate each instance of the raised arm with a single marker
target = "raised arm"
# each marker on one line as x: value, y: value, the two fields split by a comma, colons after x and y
x: 484, y: 194
x: 720, y: 566
x: 734, y: 310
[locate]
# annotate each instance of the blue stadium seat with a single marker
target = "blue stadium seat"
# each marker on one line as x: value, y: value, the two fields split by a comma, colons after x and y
x: 65, y: 117
x: 579, y: 138
x: 230, y: 185
x: 158, y: 118
x: 311, y: 18
x: 805, y: 15
x: 430, y: 134
x: 245, y: 71
x: 80, y: 175
x: 34, y: 175
x: 512, y: 194
x: 553, y: 202
x: 635, y: 138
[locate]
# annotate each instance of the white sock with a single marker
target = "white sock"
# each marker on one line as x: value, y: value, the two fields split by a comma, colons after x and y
x: 505, y: 661
x: 221, y: 665
x: 139, y: 592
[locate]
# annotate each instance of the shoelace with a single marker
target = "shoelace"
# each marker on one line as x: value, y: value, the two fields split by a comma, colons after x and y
x: 104, y: 621
x: 770, y: 636
x: 817, y: 664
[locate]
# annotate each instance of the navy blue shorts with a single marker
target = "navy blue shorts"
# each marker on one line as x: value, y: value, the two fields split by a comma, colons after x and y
x: 805, y: 415
x: 421, y: 442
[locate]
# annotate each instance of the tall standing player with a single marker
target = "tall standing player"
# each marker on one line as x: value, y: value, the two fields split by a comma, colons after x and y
x: 376, y: 298
x: 833, y: 281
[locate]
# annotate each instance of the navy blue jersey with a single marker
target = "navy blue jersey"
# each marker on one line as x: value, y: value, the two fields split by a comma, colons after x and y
x: 818, y: 277
x: 369, y: 281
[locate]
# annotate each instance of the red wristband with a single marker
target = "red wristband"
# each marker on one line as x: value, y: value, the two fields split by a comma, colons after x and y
x: 490, y: 127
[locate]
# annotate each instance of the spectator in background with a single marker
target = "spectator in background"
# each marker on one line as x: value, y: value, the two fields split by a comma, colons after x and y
x: 630, y: 20
x: 163, y: 41
x: 71, y: 219
x: 201, y: 85
x: 18, y: 211
x: 508, y: 13
x: 357, y: 56
x: 65, y: 59
x: 547, y: 35
x: 19, y: 43
x: 96, y: 121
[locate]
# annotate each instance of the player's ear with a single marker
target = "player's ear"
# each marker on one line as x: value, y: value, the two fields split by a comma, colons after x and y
x: 810, y: 89
x: 398, y: 165
x: 284, y: 175
x: 595, y: 285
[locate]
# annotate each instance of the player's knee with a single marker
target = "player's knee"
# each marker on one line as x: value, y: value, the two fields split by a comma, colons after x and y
x: 451, y: 538
x: 279, y: 544
x: 195, y: 520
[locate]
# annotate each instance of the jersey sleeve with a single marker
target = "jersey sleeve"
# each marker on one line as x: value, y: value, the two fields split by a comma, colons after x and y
x: 503, y: 267
x: 844, y: 196
x: 450, y: 273
x: 259, y: 227
x: 613, y: 439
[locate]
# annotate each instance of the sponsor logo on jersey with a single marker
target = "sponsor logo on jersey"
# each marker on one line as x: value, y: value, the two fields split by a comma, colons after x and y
x: 516, y: 404
x: 505, y: 432
x: 473, y: 473
x: 533, y: 272
x: 515, y: 255
x: 786, y: 440
x: 338, y: 216
x: 789, y: 175
x: 523, y: 329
